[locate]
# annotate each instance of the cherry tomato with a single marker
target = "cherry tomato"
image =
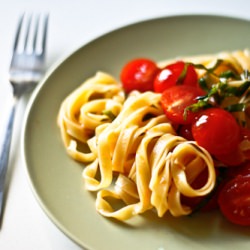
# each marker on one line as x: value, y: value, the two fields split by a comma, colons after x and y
x: 216, y: 130
x: 174, y: 101
x: 245, y: 133
x: 234, y: 200
x: 175, y: 74
x: 245, y: 143
x: 231, y: 159
x: 185, y: 131
x: 243, y: 169
x: 241, y: 154
x: 139, y: 75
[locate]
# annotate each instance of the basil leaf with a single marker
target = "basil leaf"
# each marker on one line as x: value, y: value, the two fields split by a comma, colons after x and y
x: 209, y: 70
x: 183, y: 74
x: 203, y: 84
x: 236, y: 107
x: 109, y: 114
x: 229, y: 74
x: 237, y: 91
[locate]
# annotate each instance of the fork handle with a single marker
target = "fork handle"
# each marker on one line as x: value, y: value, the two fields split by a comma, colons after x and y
x: 5, y: 150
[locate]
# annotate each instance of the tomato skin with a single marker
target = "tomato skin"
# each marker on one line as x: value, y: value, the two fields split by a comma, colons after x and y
x: 217, y: 131
x: 139, y: 74
x: 174, y: 101
x: 245, y: 133
x: 241, y: 154
x: 234, y: 200
x: 231, y: 159
x: 170, y: 75
x: 243, y: 170
x: 185, y: 131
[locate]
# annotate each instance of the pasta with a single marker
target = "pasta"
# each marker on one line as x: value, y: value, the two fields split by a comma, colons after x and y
x: 238, y: 59
x: 133, y: 157
x: 136, y: 158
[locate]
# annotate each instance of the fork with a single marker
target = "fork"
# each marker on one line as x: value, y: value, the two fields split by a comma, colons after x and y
x: 26, y: 70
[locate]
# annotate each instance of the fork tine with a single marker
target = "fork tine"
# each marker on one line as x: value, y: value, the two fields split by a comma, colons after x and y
x: 18, y: 32
x: 45, y: 29
x: 27, y: 33
x: 36, y: 32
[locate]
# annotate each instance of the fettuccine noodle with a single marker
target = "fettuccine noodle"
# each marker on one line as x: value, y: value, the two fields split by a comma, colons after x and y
x: 130, y: 150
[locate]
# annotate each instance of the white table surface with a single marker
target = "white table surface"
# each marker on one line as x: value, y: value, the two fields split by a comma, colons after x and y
x: 25, y: 226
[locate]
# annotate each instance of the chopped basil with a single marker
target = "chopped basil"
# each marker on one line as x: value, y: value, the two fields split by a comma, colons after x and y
x: 238, y: 91
x: 217, y: 94
x: 183, y: 74
x: 203, y: 84
x: 229, y: 74
x: 109, y: 114
x: 236, y: 107
x: 209, y: 70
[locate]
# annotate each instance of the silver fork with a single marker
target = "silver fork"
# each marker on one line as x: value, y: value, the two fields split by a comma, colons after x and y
x: 26, y: 70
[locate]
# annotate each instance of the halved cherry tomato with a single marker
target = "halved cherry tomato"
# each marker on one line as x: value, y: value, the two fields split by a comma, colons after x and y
x: 216, y: 130
x: 174, y: 101
x: 178, y: 73
x: 234, y: 200
x: 139, y: 74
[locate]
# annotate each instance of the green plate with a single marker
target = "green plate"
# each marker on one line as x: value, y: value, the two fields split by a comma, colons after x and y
x: 56, y: 179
